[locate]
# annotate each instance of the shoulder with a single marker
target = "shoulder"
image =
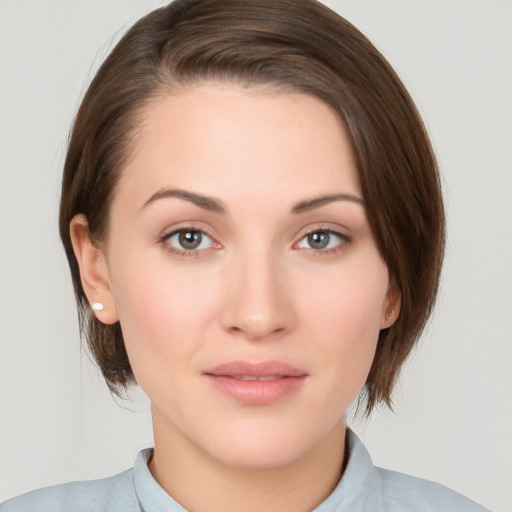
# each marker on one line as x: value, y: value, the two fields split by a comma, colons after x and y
x: 405, y: 492
x: 115, y: 493
x: 365, y: 486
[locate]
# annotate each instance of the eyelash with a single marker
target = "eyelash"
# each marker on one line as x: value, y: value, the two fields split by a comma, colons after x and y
x: 184, y: 253
x: 344, y: 240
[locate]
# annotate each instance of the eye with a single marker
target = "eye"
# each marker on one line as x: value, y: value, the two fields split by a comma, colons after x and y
x: 188, y: 240
x: 321, y: 240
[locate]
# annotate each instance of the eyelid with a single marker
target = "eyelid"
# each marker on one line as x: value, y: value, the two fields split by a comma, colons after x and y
x: 325, y: 226
x: 337, y: 231
x: 187, y: 226
x: 191, y: 225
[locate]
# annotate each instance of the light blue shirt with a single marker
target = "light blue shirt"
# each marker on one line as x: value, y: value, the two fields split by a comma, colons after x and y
x: 363, y: 488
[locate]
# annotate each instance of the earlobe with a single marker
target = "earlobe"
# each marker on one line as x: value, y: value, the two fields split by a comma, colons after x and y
x: 93, y: 271
x: 391, y: 306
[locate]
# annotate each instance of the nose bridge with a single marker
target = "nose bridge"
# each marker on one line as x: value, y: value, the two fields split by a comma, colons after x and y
x: 258, y: 303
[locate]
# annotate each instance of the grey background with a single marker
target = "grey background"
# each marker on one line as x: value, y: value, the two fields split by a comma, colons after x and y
x: 453, y: 407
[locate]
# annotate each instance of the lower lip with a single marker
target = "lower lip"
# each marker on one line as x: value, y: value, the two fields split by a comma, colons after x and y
x: 257, y: 392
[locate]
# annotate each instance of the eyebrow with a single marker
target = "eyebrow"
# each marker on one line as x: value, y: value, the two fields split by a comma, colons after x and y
x: 318, y: 202
x: 214, y: 205
x: 204, y: 202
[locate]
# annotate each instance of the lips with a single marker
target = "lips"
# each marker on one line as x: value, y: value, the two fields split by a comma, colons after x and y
x: 256, y: 383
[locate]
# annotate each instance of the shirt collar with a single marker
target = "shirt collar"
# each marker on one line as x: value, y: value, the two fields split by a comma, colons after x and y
x: 151, y: 496
x: 359, y: 490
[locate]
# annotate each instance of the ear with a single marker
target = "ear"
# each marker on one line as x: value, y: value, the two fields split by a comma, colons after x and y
x: 93, y: 270
x: 391, y: 305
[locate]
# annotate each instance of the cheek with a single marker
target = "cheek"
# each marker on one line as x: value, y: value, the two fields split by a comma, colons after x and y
x: 342, y: 312
x: 162, y: 311
x: 347, y: 300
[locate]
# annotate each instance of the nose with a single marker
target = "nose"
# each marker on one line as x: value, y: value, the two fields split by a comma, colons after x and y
x: 258, y: 303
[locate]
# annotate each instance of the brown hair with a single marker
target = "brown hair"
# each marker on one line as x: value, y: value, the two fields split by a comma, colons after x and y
x: 293, y: 45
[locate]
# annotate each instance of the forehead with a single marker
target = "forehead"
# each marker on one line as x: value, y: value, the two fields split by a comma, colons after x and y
x: 229, y: 141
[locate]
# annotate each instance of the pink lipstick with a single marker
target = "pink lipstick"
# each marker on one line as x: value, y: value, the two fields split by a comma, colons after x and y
x: 256, y: 383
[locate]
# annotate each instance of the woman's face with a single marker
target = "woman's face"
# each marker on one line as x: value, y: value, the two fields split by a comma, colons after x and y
x: 244, y: 272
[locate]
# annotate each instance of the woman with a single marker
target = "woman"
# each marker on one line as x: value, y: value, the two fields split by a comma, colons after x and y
x: 253, y: 219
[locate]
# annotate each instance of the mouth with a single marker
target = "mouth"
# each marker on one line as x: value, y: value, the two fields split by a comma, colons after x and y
x: 261, y: 379
x: 251, y: 383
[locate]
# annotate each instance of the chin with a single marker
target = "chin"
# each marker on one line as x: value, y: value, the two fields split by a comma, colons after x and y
x: 263, y: 445
x: 258, y: 456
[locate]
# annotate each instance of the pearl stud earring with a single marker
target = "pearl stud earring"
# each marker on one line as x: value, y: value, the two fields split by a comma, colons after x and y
x: 98, y: 306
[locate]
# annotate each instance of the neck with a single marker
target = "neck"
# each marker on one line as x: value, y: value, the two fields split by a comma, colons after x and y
x: 181, y: 469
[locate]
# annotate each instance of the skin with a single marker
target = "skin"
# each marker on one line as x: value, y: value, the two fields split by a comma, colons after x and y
x: 256, y: 289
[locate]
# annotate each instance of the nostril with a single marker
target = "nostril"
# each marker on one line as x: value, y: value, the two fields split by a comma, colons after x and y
x: 256, y: 308
x: 257, y: 333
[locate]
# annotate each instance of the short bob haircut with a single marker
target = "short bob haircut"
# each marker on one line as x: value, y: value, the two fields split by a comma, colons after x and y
x: 289, y: 46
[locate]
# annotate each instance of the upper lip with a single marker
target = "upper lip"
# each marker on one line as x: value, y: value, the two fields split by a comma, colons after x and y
x: 255, y: 369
